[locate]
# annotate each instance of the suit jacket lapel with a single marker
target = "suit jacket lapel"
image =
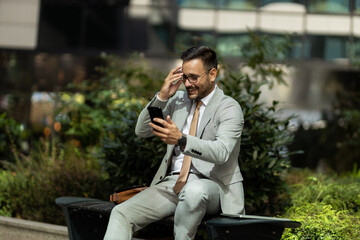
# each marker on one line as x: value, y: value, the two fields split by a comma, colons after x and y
x: 182, y: 112
x: 209, y: 111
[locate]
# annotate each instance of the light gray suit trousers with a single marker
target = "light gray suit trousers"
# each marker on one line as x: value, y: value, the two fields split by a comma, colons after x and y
x: 199, y: 196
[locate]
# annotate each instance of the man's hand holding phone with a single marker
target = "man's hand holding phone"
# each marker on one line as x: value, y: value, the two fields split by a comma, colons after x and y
x: 166, y: 130
x: 155, y: 112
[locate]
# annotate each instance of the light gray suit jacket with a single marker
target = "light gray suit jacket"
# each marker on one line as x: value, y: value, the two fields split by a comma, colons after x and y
x: 214, y: 149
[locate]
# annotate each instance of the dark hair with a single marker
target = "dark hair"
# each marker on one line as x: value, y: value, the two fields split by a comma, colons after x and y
x: 206, y: 54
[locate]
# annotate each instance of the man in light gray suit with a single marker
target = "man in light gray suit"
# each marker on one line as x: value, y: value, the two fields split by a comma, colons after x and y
x: 214, y: 181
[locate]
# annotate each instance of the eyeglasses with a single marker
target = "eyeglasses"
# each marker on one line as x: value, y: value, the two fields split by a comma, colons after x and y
x: 194, y: 78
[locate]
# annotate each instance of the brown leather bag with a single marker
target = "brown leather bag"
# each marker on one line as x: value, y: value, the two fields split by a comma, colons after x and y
x: 125, y: 194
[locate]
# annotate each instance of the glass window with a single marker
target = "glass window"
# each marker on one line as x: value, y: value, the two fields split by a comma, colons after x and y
x: 297, y: 47
x: 238, y: 4
x: 234, y: 45
x: 357, y: 7
x: 329, y: 6
x: 197, y: 3
x: 186, y: 39
x: 315, y: 47
x: 354, y: 52
x: 335, y: 47
x: 326, y: 47
x: 265, y: 2
x: 286, y: 46
x: 101, y: 26
x: 230, y: 44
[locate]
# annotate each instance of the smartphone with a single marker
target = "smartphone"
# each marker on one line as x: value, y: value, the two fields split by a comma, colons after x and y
x: 180, y: 79
x: 155, y: 112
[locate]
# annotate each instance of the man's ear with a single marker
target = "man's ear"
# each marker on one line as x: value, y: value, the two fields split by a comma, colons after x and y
x: 213, y: 74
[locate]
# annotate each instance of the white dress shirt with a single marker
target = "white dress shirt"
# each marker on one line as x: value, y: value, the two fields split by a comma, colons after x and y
x: 178, y: 159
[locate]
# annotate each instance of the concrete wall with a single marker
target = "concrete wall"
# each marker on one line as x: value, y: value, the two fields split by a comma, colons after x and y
x: 18, y: 229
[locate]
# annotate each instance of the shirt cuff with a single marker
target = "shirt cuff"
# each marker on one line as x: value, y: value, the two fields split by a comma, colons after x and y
x: 158, y: 98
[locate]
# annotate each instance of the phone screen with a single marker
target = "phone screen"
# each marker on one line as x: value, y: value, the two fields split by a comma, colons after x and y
x: 155, y: 112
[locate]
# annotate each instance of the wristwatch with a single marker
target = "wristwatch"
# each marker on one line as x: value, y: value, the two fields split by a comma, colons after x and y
x: 182, y: 142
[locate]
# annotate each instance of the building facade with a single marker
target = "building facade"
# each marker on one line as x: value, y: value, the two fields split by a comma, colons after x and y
x: 61, y: 36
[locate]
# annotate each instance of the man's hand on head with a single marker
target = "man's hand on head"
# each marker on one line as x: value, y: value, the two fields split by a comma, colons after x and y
x: 169, y: 134
x: 171, y: 84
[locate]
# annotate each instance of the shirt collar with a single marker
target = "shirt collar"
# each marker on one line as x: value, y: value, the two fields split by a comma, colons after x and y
x: 207, y: 99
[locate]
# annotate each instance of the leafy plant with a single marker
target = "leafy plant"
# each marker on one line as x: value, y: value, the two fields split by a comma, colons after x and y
x: 264, y: 158
x: 12, y: 135
x: 88, y: 107
x: 34, y: 182
x: 133, y: 75
x: 5, y: 201
x: 105, y: 114
x: 342, y: 193
x: 321, y: 221
x: 326, y: 206
x: 128, y: 159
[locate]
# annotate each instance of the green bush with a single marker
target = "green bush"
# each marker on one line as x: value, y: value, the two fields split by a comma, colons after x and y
x: 87, y: 108
x: 341, y: 193
x: 326, y: 206
x: 12, y: 135
x: 128, y: 159
x: 5, y: 201
x: 30, y: 186
x: 133, y: 75
x: 104, y: 114
x: 264, y: 158
x: 322, y: 222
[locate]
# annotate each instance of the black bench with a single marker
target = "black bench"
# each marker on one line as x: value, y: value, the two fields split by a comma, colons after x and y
x: 87, y: 219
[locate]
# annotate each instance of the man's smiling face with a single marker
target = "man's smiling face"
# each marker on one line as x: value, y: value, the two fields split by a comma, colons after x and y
x: 205, y: 79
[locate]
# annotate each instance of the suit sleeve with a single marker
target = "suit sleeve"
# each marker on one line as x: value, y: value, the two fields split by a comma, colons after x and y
x: 218, y: 147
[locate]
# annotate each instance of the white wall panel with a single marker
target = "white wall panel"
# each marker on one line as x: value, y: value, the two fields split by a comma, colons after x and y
x: 328, y: 25
x: 17, y: 36
x: 20, y: 11
x: 282, y: 22
x: 235, y: 21
x: 284, y: 7
x: 19, y: 23
x: 196, y: 19
x: 356, y: 26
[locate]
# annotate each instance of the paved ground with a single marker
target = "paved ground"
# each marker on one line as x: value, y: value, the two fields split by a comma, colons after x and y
x: 19, y: 229
x: 16, y: 229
